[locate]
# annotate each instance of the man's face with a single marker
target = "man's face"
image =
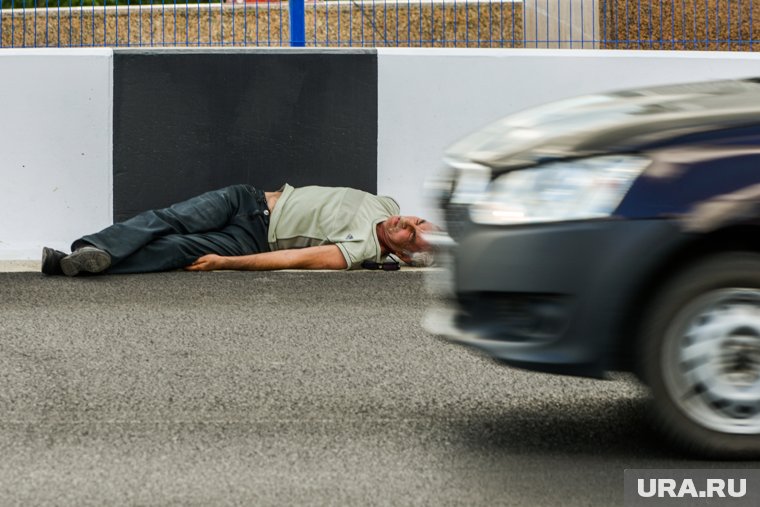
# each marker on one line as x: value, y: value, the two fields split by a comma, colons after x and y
x: 405, y: 234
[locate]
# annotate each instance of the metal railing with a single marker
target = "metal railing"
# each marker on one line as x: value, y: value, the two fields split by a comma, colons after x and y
x: 607, y: 24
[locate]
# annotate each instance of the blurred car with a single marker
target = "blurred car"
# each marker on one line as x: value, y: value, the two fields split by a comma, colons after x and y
x: 617, y: 232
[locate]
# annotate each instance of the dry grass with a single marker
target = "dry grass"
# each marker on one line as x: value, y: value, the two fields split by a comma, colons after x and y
x: 488, y: 24
x: 681, y: 24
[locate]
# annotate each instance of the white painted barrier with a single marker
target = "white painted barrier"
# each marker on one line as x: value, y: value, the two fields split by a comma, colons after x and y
x: 55, y: 147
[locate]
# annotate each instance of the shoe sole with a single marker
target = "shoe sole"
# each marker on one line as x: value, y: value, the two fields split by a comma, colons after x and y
x: 87, y: 261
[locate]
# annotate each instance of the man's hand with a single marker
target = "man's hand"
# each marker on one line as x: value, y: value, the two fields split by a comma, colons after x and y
x: 208, y: 262
x: 314, y: 257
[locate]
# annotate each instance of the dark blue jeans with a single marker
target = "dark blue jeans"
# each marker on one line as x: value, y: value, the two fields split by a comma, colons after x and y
x: 230, y: 221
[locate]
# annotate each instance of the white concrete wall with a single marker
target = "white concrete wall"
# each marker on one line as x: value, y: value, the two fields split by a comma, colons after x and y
x: 55, y: 148
x: 429, y: 98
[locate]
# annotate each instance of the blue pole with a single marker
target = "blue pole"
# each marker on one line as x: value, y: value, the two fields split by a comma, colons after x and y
x: 297, y: 24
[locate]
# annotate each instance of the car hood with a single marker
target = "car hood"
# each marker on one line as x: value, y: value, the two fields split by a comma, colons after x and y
x: 623, y: 121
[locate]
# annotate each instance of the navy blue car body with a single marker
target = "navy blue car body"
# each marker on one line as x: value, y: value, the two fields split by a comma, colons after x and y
x: 583, y: 293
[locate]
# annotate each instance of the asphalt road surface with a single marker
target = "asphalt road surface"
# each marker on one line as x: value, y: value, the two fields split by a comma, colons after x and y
x: 289, y: 388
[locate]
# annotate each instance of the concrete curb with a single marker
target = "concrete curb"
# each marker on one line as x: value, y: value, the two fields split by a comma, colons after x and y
x: 13, y: 266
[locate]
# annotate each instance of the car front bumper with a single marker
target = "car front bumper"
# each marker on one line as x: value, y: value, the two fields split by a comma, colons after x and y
x: 548, y: 297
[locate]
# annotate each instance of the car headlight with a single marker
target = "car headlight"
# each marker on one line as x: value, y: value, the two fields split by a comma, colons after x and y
x: 568, y: 190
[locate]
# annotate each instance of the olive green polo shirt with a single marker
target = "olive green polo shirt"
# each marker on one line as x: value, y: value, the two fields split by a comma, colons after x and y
x: 346, y: 217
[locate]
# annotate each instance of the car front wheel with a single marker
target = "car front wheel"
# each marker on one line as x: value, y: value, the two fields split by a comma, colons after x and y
x: 700, y: 355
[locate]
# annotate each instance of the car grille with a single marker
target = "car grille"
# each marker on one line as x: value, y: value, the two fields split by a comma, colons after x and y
x: 515, y: 317
x: 457, y: 219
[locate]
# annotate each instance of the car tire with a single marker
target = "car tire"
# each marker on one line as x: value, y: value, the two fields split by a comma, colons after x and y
x: 699, y: 353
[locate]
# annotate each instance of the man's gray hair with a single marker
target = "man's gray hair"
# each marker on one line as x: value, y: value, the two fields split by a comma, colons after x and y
x: 422, y: 259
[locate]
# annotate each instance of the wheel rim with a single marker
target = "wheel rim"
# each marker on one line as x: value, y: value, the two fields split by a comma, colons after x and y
x: 711, y: 360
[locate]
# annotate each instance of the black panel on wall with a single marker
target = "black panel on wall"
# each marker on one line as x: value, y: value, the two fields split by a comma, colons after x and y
x: 187, y: 122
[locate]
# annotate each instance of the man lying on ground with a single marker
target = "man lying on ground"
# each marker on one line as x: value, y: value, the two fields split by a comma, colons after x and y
x: 244, y: 228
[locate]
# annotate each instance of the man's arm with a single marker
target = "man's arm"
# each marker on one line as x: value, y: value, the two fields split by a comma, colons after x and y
x: 314, y: 257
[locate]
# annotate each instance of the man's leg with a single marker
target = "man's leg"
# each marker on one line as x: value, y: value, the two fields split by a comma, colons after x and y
x: 207, y: 212
x: 240, y: 210
x: 245, y: 234
x: 177, y: 251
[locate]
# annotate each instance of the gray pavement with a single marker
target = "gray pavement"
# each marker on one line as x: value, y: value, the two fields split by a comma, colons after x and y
x: 289, y: 388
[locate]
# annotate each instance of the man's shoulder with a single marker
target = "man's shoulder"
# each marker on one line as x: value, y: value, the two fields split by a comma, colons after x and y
x: 390, y: 204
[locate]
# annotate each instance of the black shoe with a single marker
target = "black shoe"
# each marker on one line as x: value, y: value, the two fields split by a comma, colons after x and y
x: 87, y: 259
x: 51, y: 261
